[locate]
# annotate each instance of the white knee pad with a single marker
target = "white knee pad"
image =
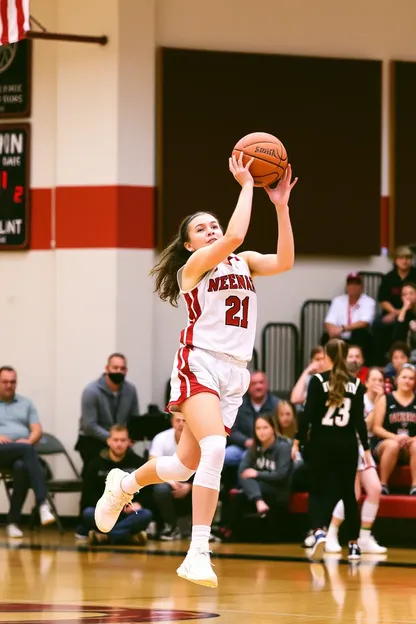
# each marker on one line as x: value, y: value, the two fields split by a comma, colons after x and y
x: 212, y: 460
x: 172, y: 469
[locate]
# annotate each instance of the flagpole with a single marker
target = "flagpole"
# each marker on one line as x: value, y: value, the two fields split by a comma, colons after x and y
x: 34, y: 34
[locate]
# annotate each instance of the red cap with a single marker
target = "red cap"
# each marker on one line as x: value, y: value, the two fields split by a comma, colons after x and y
x: 354, y: 278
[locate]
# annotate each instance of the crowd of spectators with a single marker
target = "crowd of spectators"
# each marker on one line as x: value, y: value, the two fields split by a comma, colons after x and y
x: 259, y: 467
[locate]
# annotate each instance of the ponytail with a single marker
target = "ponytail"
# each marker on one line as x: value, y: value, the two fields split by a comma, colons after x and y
x: 171, y: 260
x: 339, y: 376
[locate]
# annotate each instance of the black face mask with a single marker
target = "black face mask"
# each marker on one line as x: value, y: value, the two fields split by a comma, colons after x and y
x: 117, y: 378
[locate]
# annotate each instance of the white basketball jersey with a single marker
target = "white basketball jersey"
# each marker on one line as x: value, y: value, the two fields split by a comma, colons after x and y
x: 222, y: 311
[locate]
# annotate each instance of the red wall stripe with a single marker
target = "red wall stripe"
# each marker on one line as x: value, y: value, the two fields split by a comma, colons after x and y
x: 41, y: 219
x: 94, y: 217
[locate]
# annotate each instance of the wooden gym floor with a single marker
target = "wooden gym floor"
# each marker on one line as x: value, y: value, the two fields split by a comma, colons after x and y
x: 48, y: 578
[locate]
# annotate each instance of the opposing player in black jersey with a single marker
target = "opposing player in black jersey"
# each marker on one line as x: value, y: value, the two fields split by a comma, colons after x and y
x: 333, y: 415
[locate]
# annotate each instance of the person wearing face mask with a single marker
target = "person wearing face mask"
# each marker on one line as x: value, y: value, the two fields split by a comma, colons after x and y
x: 107, y: 401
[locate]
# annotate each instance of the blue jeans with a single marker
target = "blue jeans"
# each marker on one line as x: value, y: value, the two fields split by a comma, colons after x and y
x: 233, y: 455
x: 27, y: 472
x: 126, y: 525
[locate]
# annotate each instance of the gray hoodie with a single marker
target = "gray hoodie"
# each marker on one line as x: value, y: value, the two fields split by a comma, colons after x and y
x: 101, y: 409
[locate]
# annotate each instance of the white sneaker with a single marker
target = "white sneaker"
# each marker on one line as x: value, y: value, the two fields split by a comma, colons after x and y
x: 46, y: 515
x: 197, y: 568
x: 318, y: 548
x: 112, y: 501
x: 332, y: 545
x: 13, y: 530
x: 369, y: 545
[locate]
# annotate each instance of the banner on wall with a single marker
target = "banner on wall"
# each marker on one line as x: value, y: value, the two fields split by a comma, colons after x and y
x: 14, y: 186
x: 15, y: 79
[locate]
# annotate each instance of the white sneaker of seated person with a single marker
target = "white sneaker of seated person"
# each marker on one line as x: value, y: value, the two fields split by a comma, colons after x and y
x: 369, y: 545
x: 12, y: 530
x: 112, y: 501
x: 46, y: 515
x: 197, y: 568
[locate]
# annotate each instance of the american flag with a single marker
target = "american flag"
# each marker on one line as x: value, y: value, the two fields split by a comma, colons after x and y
x: 14, y: 20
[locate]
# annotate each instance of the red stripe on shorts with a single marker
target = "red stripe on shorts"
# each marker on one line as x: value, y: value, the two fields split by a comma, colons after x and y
x: 189, y: 382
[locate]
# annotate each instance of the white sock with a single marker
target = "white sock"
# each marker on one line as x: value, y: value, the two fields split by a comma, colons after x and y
x: 129, y: 484
x: 364, y: 533
x: 332, y: 532
x: 200, y: 537
x: 339, y: 511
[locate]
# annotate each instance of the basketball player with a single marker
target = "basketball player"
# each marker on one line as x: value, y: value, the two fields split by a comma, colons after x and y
x: 367, y: 479
x: 209, y: 376
x: 334, y: 410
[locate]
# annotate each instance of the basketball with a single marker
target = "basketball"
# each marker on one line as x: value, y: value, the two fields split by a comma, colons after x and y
x: 270, y: 157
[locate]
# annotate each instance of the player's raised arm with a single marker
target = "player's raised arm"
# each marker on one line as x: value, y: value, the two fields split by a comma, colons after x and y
x: 283, y: 259
x: 208, y: 256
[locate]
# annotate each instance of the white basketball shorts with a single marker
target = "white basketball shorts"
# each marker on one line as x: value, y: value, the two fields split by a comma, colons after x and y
x: 362, y: 465
x: 196, y: 370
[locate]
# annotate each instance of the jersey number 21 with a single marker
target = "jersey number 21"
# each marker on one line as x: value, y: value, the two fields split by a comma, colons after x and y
x: 338, y: 416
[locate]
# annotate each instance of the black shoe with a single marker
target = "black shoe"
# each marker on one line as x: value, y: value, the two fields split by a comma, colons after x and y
x: 385, y: 490
x: 354, y: 552
x: 170, y: 533
x: 412, y: 491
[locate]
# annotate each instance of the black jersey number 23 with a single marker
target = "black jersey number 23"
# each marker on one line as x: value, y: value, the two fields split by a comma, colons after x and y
x: 338, y: 416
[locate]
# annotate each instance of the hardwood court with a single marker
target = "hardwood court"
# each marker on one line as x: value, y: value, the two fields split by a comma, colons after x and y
x: 48, y: 579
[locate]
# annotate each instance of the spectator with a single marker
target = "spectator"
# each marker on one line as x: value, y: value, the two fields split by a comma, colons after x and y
x: 133, y: 521
x: 394, y: 428
x: 285, y: 420
x: 316, y: 365
x: 350, y: 316
x: 107, y: 401
x: 355, y: 363
x: 173, y: 499
x: 264, y: 474
x: 389, y: 296
x: 258, y: 400
x: 399, y: 355
x: 20, y: 430
x: 404, y: 329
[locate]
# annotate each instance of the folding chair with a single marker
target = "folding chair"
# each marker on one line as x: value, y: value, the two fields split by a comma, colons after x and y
x: 50, y: 445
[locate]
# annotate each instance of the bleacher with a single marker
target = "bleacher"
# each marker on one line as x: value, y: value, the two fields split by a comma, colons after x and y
x: 284, y: 354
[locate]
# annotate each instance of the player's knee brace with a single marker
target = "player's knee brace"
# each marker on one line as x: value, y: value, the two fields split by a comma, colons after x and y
x: 172, y: 469
x: 212, y: 460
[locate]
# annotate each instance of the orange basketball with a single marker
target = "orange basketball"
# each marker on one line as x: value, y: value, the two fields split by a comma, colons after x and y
x: 270, y: 157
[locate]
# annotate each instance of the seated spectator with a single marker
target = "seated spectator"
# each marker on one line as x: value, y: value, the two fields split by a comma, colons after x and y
x: 285, y: 420
x: 107, y: 401
x: 257, y: 400
x: 316, y: 363
x: 374, y: 391
x: 394, y: 428
x: 133, y: 521
x: 20, y: 430
x: 404, y: 328
x: 389, y: 297
x: 355, y: 363
x: 264, y: 475
x: 350, y: 316
x: 399, y: 355
x: 174, y: 499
